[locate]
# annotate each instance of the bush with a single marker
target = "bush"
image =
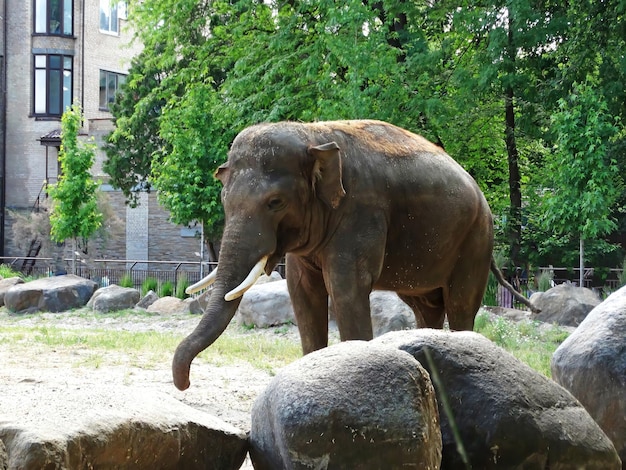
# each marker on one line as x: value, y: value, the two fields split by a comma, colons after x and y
x: 7, y: 271
x: 150, y: 284
x: 127, y: 281
x: 167, y: 289
x: 490, y: 297
x: 181, y: 284
x: 544, y: 281
x: 525, y: 340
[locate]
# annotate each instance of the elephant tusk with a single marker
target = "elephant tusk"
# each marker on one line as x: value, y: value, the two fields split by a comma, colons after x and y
x: 201, y: 284
x: 248, y: 282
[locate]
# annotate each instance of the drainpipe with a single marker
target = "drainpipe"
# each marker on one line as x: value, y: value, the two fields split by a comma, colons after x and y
x: 82, y: 60
x: 3, y: 148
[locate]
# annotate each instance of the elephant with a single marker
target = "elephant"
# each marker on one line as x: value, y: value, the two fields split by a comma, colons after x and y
x: 352, y: 206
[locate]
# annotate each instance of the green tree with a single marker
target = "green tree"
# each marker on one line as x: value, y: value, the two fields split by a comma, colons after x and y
x: 586, y: 182
x: 135, y: 141
x: 74, y: 212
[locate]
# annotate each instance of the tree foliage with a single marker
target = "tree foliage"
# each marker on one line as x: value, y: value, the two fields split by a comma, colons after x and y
x: 480, y: 79
x: 74, y: 212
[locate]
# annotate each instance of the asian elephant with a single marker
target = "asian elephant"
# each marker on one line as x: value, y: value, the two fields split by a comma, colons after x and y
x: 354, y: 206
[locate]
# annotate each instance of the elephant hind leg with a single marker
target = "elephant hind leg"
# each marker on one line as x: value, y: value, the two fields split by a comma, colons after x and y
x: 428, y: 309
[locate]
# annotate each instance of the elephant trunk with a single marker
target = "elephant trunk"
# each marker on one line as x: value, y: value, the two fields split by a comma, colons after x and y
x: 213, y: 323
x: 233, y: 278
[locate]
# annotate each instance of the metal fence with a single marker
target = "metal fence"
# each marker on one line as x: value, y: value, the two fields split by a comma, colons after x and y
x: 109, y: 271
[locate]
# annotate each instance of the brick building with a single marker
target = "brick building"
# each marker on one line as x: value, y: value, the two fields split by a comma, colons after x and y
x: 54, y: 53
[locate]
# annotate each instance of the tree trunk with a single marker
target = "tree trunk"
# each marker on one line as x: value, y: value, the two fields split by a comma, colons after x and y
x: 514, y: 224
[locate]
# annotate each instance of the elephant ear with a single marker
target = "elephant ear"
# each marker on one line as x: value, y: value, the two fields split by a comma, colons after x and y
x: 327, y: 182
x: 222, y: 173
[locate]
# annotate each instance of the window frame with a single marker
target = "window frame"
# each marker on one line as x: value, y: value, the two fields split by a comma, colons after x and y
x: 64, y: 75
x: 42, y: 27
x: 121, y: 8
x: 108, y: 99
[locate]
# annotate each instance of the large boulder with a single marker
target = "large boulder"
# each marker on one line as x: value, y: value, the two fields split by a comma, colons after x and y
x: 564, y: 304
x: 506, y: 414
x: 5, y: 285
x: 147, y: 300
x: 113, y: 298
x: 50, y: 294
x: 352, y: 405
x: 121, y: 427
x: 591, y: 364
x: 173, y: 305
x: 266, y: 304
x: 389, y: 313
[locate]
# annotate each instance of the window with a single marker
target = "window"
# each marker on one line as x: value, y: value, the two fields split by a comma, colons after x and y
x: 109, y: 84
x: 110, y: 12
x: 54, y: 17
x: 53, y: 84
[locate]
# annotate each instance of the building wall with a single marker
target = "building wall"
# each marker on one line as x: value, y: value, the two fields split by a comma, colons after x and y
x: 149, y: 232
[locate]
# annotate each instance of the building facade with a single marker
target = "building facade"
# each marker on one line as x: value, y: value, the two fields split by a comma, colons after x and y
x: 55, y: 53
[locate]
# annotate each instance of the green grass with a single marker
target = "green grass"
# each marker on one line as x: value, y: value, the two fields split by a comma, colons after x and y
x: 525, y: 340
x: 98, y: 345
x: 268, y: 350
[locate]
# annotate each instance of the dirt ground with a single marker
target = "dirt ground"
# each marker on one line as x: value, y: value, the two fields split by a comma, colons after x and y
x: 223, y: 390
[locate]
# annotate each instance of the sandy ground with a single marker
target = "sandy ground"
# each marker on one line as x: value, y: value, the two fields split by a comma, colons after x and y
x: 225, y: 390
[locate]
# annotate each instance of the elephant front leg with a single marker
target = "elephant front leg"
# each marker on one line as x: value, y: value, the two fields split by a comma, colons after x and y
x: 310, y: 303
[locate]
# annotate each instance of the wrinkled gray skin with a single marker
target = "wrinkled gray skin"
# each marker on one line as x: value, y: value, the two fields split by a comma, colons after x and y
x: 354, y: 206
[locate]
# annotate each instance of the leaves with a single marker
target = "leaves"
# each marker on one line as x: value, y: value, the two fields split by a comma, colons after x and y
x: 443, y: 69
x: 74, y: 210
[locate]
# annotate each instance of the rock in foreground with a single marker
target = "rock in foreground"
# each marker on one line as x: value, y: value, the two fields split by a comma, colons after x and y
x: 114, y: 427
x: 508, y: 415
x: 591, y: 364
x: 354, y: 405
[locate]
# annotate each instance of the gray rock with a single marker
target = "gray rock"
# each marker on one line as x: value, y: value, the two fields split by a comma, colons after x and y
x: 266, y: 304
x: 113, y: 298
x: 169, y: 305
x: 389, y: 313
x: 273, y: 277
x: 147, y: 299
x: 507, y: 414
x: 50, y: 294
x: 352, y: 405
x: 203, y: 299
x: 591, y: 364
x: 5, y: 285
x: 564, y: 304
x: 116, y: 427
x: 193, y: 305
x: 4, y: 457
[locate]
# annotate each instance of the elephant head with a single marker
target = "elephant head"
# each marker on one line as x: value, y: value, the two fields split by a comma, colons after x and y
x: 277, y: 185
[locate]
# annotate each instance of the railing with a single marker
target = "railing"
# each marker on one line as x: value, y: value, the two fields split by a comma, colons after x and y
x: 110, y: 271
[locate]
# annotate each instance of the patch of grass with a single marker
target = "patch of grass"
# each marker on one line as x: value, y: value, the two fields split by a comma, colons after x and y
x: 265, y: 352
x: 127, y: 281
x: 99, y: 345
x: 181, y: 284
x: 527, y: 341
x: 6, y: 272
x: 150, y: 284
x: 166, y: 289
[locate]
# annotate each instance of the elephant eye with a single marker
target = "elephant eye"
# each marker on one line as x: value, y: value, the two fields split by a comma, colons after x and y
x: 276, y: 203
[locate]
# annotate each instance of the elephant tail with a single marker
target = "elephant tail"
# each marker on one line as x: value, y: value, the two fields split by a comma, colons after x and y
x: 507, y: 285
